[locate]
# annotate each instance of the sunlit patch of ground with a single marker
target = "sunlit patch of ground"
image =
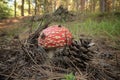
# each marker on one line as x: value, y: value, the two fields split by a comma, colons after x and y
x: 13, y: 22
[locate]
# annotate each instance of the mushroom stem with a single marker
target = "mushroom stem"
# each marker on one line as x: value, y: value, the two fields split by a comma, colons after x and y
x: 51, y: 53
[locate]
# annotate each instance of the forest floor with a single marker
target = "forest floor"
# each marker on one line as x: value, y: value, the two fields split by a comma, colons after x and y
x: 104, y: 44
x: 11, y: 22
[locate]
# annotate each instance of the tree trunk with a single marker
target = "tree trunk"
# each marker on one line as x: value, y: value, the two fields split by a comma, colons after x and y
x: 46, y: 6
x: 119, y: 6
x: 14, y: 8
x: 22, y: 8
x: 29, y: 7
x: 35, y: 7
x: 94, y: 5
x: 108, y: 5
x: 77, y: 5
x: 113, y: 5
x: 102, y: 6
x: 83, y: 5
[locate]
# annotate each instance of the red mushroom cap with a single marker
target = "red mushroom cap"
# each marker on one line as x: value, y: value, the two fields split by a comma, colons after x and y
x: 55, y: 36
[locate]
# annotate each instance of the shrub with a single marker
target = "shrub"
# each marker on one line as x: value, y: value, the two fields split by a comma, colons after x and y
x: 5, y: 11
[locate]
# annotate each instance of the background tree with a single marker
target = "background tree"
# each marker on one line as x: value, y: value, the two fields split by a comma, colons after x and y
x: 22, y: 8
x: 26, y: 7
x: 35, y: 7
x: 29, y: 6
x: 102, y: 6
x: 46, y: 4
x: 82, y: 6
x: 14, y: 8
x: 5, y: 10
x: 92, y: 5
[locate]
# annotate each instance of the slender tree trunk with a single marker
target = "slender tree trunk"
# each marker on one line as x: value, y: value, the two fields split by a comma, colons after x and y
x: 35, y: 7
x: 77, y: 5
x: 94, y: 5
x: 14, y: 8
x: 119, y: 7
x: 29, y: 7
x: 108, y: 5
x: 102, y: 6
x: 113, y: 5
x: 91, y: 6
x: 40, y: 3
x: 22, y: 8
x: 83, y: 5
x: 46, y: 6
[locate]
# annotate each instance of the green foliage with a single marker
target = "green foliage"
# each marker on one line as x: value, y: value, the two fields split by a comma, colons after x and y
x: 107, y: 26
x: 5, y: 11
x: 69, y: 77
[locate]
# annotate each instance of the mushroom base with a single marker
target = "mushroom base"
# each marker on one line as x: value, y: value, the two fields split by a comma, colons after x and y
x: 51, y: 53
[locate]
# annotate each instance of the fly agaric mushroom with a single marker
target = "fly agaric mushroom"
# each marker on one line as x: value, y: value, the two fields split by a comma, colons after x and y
x: 54, y: 37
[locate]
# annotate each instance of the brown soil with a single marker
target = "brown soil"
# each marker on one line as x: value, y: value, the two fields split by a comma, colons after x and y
x: 8, y: 23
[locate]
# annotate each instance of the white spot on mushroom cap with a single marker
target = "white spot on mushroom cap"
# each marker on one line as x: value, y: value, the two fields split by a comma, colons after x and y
x: 63, y: 35
x: 57, y: 37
